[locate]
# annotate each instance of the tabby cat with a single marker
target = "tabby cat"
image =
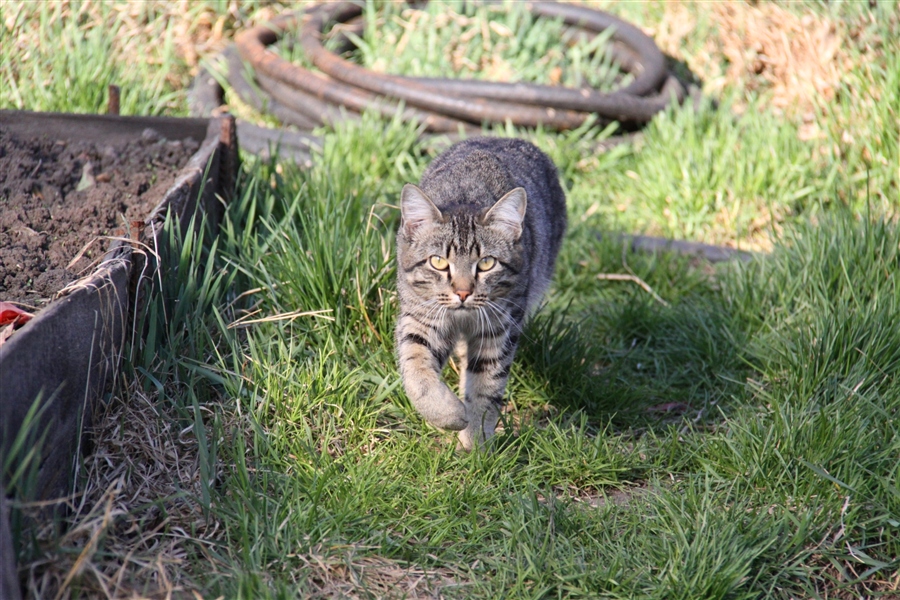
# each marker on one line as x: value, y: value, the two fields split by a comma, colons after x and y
x: 476, y: 247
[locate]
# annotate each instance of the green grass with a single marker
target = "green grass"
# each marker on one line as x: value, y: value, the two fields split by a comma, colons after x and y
x: 447, y: 39
x: 64, y: 57
x: 774, y: 475
x: 780, y: 481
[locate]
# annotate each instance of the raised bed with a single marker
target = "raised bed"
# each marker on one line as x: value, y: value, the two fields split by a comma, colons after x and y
x: 83, y: 294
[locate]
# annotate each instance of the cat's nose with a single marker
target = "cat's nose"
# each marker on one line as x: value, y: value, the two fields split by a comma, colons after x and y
x: 463, y: 294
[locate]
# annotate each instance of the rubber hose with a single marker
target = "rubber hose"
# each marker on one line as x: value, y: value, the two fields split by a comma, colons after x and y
x: 448, y: 105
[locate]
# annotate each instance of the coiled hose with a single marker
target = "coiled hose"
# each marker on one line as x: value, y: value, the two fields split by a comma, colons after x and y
x: 307, y: 99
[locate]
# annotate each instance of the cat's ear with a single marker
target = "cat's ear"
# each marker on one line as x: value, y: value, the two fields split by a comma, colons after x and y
x: 508, y: 213
x: 416, y: 209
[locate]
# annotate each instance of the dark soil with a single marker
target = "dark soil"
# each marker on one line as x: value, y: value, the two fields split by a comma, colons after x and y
x: 62, y: 198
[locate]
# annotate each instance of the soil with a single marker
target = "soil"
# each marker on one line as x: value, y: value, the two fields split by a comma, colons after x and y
x: 65, y: 199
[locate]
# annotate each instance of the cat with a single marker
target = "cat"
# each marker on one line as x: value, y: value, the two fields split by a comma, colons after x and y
x: 476, y: 249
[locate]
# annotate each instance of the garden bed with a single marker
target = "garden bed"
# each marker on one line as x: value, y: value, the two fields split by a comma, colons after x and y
x: 66, y: 200
x: 84, y: 199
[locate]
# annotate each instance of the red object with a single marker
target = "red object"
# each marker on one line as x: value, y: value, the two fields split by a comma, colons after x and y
x: 9, y: 313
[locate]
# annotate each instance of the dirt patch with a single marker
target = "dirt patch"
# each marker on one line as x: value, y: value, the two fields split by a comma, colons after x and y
x: 62, y: 200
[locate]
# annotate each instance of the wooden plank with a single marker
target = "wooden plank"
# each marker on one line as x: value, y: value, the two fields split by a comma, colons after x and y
x: 111, y: 129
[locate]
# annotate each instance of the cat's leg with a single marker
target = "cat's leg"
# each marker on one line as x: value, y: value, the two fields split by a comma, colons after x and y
x: 487, y: 372
x: 461, y: 351
x: 422, y: 356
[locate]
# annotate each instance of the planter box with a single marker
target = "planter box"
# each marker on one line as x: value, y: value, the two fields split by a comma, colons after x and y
x: 67, y: 356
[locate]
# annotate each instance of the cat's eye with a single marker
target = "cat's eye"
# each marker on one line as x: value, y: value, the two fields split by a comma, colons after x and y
x: 486, y: 263
x: 439, y: 262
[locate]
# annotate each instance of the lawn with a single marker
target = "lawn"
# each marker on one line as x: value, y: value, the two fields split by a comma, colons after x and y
x: 731, y: 434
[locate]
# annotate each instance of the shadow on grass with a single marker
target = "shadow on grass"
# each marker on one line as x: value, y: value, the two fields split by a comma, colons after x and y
x: 635, y: 362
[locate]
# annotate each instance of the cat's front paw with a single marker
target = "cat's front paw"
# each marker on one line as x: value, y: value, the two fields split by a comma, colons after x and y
x: 473, y: 438
x: 443, y: 410
x: 483, y: 422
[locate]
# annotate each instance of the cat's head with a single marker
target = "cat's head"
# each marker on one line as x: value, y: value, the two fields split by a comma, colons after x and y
x: 461, y: 257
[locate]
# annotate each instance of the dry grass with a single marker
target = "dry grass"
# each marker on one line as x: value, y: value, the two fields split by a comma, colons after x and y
x: 127, y: 533
x: 137, y: 527
x: 798, y: 61
x: 368, y: 577
x: 845, y: 582
x: 198, y: 29
x: 756, y: 235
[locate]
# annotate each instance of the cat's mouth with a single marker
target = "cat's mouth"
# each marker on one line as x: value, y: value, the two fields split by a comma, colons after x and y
x: 471, y: 306
x: 463, y: 307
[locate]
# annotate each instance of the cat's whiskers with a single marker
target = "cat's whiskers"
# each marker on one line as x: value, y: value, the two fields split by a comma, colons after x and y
x: 490, y: 313
x: 444, y: 311
x: 507, y: 317
x: 500, y: 313
x: 482, y: 325
x: 434, y: 310
x: 431, y: 306
x: 516, y: 304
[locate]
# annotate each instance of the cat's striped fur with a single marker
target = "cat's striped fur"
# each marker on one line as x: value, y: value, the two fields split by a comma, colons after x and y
x: 476, y: 248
